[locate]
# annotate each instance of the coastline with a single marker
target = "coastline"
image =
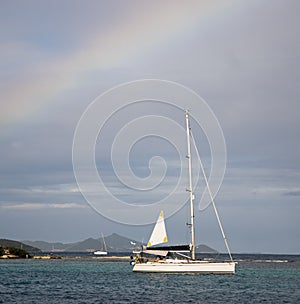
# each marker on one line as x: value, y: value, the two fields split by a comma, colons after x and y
x: 108, y: 258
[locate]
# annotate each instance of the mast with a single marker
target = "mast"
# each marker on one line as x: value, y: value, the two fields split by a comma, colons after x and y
x: 105, y: 248
x: 190, y: 189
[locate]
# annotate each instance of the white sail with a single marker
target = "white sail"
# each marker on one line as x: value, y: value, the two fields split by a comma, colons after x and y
x: 159, y: 234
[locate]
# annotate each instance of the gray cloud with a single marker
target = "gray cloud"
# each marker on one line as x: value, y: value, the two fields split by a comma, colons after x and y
x: 243, y: 60
x: 292, y: 193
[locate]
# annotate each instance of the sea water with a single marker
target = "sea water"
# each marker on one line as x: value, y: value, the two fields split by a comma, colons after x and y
x: 258, y: 279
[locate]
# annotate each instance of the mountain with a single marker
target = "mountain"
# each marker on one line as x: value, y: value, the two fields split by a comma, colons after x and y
x: 205, y: 249
x: 19, y: 245
x: 122, y: 243
x: 114, y: 243
x: 45, y: 246
x: 87, y: 244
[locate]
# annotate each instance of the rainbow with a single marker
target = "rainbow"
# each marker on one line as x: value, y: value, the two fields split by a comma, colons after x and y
x: 147, y: 26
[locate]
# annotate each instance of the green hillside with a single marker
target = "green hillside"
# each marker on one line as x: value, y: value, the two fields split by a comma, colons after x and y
x: 18, y: 245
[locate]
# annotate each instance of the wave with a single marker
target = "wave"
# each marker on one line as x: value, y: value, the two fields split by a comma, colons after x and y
x: 262, y: 261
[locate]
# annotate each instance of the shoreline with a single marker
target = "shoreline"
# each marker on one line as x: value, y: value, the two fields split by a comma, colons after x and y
x: 48, y: 257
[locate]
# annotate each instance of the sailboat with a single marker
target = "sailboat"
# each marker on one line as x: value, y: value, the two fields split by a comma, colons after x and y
x: 104, y: 250
x: 180, y: 258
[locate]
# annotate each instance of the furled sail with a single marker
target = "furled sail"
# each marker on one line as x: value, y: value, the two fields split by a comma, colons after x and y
x: 159, y: 234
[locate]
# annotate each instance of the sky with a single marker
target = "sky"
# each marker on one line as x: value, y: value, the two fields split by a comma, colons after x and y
x: 59, y: 58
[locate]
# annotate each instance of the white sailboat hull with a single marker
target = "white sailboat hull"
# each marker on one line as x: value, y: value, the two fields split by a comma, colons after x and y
x: 204, y: 267
x: 99, y: 252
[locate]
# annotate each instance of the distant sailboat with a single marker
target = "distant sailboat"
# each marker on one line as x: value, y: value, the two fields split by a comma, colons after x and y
x: 176, y: 258
x: 55, y: 249
x: 103, y: 251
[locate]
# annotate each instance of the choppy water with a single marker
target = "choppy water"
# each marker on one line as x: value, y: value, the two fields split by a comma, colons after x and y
x: 259, y: 279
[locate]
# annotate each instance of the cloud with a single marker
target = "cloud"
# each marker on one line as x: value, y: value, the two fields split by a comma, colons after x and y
x: 38, y: 206
x: 45, y: 189
x: 292, y: 193
x: 53, y: 74
x: 238, y: 57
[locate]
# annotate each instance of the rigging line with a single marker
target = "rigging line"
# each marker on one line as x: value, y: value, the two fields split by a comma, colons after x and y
x: 212, y: 199
x: 183, y: 255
